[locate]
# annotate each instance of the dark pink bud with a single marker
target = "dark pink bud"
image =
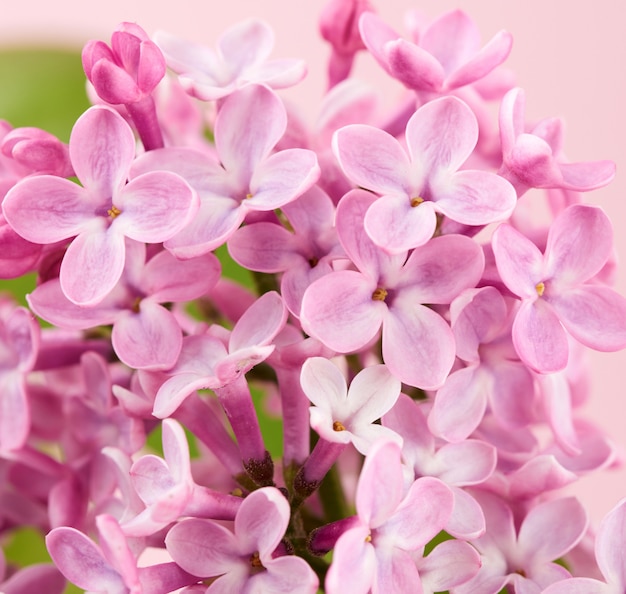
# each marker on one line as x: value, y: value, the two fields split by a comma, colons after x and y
x: 38, y: 151
x: 339, y: 24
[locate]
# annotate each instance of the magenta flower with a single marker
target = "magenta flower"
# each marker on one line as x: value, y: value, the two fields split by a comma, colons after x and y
x: 375, y: 553
x: 447, y: 55
x: 46, y: 209
x: 610, y: 556
x: 242, y: 559
x: 557, y: 291
x: 346, y: 309
x: 440, y: 136
x: 241, y: 59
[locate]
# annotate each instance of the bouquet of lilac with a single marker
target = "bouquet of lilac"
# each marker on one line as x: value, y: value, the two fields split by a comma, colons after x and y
x: 411, y: 322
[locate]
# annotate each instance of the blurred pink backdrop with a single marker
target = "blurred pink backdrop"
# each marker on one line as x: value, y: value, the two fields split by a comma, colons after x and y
x: 569, y: 57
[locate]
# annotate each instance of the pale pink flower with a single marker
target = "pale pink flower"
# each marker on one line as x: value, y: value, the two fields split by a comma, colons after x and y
x: 100, y: 214
x: 241, y: 58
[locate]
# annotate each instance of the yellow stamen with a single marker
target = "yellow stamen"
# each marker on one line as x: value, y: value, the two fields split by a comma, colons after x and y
x: 114, y: 211
x: 368, y: 538
x: 248, y: 196
x: 540, y: 288
x: 380, y: 294
x: 416, y: 201
x: 338, y: 426
x: 255, y: 561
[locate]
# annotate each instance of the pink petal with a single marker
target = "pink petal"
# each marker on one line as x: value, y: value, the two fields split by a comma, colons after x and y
x: 50, y: 304
x: 551, y: 529
x: 379, y: 490
x: 594, y: 315
x: 92, y: 266
x: 539, y: 338
x: 367, y: 257
x: 338, y: 310
x: 587, y: 176
x: 579, y: 586
x: 396, y: 572
x: 440, y: 270
x: 460, y: 404
x: 323, y: 384
x: 372, y: 393
x: 414, y: 67
x: 396, y: 227
x: 114, y: 84
x: 511, y: 119
x: 539, y: 475
x: 150, y: 339
x: 202, y: 547
x: 243, y: 137
x: 580, y: 242
x: 165, y: 278
x: 488, y: 58
x: 261, y: 522
x: 475, y: 198
x: 265, y: 247
x: 422, y: 514
x: 14, y: 411
x: 213, y: 224
x: 375, y: 34
x: 286, y: 575
x: 102, y: 147
x: 512, y: 395
x: 245, y: 44
x: 418, y: 346
x: 610, y: 546
x: 81, y: 561
x: 441, y: 135
x: 450, y: 563
x: 155, y: 206
x: 240, y: 362
x: 281, y: 178
x: 467, y: 463
x: 372, y: 159
x: 519, y: 261
x: 467, y: 521
x: 260, y: 323
x: 116, y: 549
x: 354, y: 564
x: 47, y: 209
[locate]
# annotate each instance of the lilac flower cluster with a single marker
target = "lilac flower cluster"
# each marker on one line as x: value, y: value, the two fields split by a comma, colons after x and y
x: 420, y: 337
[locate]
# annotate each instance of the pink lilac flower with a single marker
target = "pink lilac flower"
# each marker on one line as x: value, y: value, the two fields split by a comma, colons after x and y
x: 241, y: 58
x: 303, y: 255
x: 346, y: 309
x: 458, y: 465
x: 247, y: 178
x: 611, y: 558
x: 534, y: 159
x: 524, y: 554
x: 145, y: 335
x: 19, y: 342
x: 493, y: 376
x: 111, y: 567
x: 414, y: 187
x: 375, y: 553
x: 446, y: 56
x: 243, y: 559
x: 339, y: 25
x: 126, y: 74
x: 46, y: 209
x: 557, y: 291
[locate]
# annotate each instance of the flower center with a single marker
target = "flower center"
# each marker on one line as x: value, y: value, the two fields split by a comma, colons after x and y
x: 114, y: 211
x: 338, y: 426
x: 380, y: 294
x: 540, y: 288
x: 416, y: 201
x: 255, y: 561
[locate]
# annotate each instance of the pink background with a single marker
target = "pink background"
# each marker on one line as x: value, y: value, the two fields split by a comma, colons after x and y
x: 568, y: 58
